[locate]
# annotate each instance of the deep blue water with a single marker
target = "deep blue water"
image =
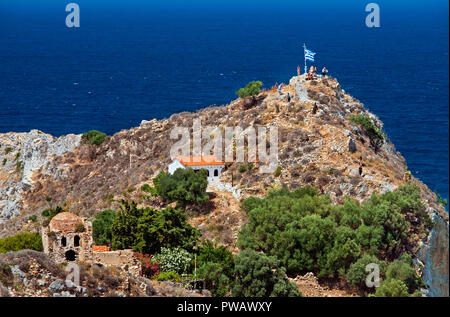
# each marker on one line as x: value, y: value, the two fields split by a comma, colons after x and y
x: 140, y: 61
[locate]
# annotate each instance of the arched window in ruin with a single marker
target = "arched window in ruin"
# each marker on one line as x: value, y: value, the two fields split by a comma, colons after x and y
x: 216, y: 172
x: 76, y: 241
x: 208, y: 172
x: 63, y: 241
x: 70, y: 255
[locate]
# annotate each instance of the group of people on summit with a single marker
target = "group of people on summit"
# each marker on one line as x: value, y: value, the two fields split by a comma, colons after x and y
x: 312, y: 74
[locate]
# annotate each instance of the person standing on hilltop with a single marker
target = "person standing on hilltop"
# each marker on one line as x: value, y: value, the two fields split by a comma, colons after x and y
x: 309, y: 76
x: 298, y: 70
x: 324, y: 71
x: 279, y: 88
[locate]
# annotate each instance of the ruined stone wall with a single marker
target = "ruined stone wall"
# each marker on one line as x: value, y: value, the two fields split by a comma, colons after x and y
x: 122, y: 258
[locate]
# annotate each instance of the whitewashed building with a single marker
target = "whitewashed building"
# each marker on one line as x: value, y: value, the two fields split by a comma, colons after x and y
x: 209, y: 162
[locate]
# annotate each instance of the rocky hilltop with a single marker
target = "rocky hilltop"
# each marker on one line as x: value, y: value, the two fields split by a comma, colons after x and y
x: 318, y: 145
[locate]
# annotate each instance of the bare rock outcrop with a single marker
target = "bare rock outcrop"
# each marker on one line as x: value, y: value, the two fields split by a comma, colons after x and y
x: 22, y: 154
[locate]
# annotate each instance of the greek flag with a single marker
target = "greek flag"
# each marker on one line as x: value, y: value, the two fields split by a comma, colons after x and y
x: 309, y: 55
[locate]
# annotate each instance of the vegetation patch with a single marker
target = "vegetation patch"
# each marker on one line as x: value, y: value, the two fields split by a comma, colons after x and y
x: 306, y: 233
x: 259, y: 275
x: 252, y: 89
x: 101, y: 227
x: 375, y: 135
x: 94, y: 137
x: 51, y: 212
x: 185, y: 186
x: 146, y: 230
x: 21, y: 241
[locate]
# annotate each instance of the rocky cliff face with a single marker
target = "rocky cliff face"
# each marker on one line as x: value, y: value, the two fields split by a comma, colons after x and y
x: 22, y: 155
x: 318, y: 145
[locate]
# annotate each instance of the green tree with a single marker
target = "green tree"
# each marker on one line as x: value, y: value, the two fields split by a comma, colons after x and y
x: 344, y: 252
x: 258, y: 275
x: 215, y: 278
x: 252, y: 89
x: 185, y: 186
x: 375, y: 135
x: 146, y: 230
x: 124, y: 229
x: 370, y: 238
x: 101, y: 227
x: 211, y: 253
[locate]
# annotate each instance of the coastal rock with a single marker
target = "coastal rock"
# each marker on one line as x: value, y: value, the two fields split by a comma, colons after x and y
x: 435, y: 256
x: 56, y: 286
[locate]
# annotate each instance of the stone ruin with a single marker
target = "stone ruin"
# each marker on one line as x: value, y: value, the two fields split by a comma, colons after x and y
x: 68, y: 238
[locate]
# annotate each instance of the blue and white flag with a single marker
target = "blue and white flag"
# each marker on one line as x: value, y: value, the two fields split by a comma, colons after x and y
x: 309, y: 55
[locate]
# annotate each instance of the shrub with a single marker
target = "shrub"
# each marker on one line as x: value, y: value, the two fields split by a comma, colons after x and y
x: 168, y: 276
x: 258, y: 275
x: 8, y: 150
x: 50, y: 213
x: 368, y: 125
x: 21, y: 241
x: 252, y: 89
x: 392, y: 288
x: 19, y: 166
x: 211, y: 253
x: 278, y: 171
x: 403, y: 271
x: 376, y: 137
x: 185, y: 186
x: 150, y: 267
x: 33, y: 218
x: 242, y: 169
x: 149, y: 189
x: 357, y: 273
x: 101, y: 227
x: 176, y: 260
x: 94, y: 137
x: 6, y: 276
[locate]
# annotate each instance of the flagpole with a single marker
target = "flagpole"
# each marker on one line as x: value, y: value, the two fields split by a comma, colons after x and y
x: 304, y: 55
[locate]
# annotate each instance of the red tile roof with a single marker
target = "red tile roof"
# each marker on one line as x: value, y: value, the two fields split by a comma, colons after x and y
x: 101, y: 248
x: 199, y: 160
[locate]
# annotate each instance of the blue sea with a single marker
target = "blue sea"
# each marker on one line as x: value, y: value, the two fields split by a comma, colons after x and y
x: 134, y: 60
